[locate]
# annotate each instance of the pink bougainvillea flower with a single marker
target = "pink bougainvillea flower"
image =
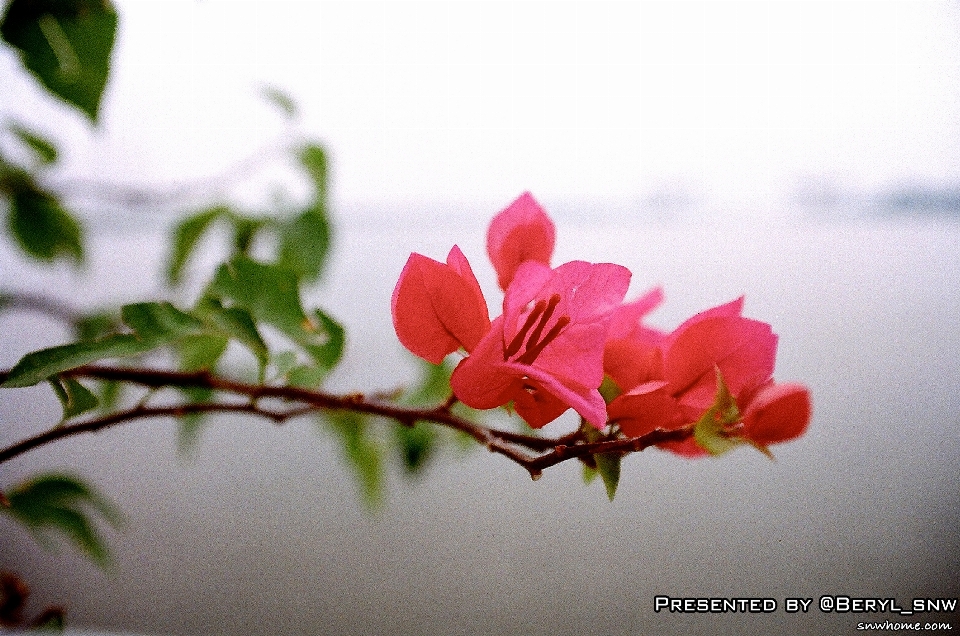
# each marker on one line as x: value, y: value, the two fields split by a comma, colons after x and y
x: 438, y: 307
x: 774, y: 414
x: 521, y: 232
x: 777, y: 413
x: 631, y: 354
x: 545, y: 353
x: 668, y: 381
x: 743, y: 350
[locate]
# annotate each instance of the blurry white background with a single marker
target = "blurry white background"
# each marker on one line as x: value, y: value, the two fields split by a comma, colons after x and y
x: 732, y: 105
x: 698, y: 112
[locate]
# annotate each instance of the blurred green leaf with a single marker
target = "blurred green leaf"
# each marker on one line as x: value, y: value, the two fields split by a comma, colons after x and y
x: 434, y: 385
x: 43, y: 149
x: 63, y: 503
x: 235, y: 323
x: 589, y: 473
x: 416, y: 444
x: 110, y: 392
x: 40, y: 224
x: 305, y: 376
x: 159, y: 322
x: 190, y: 426
x: 200, y: 352
x: 40, y: 365
x: 314, y: 158
x: 362, y: 452
x: 186, y: 235
x: 607, y: 465
x: 66, y: 44
x: 74, y: 397
x: 95, y: 326
x: 245, y: 229
x: 328, y: 340
x: 283, y: 363
x: 281, y: 100
x: 305, y: 243
x: 270, y: 294
x: 155, y: 324
x: 51, y: 620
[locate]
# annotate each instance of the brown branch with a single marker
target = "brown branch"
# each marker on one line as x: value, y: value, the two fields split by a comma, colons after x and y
x: 129, y: 415
x: 531, y: 452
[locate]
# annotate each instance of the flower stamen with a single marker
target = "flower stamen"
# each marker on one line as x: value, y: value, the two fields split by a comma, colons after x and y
x: 551, y: 306
x: 517, y: 341
x: 533, y: 350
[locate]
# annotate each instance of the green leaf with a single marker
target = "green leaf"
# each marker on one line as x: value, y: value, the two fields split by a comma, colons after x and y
x: 185, y: 238
x: 40, y: 365
x: 270, y: 293
x: 200, y: 352
x: 96, y: 326
x: 283, y: 363
x: 66, y: 44
x: 235, y: 323
x: 434, y: 386
x: 314, y: 158
x: 63, y: 503
x: 416, y: 445
x: 712, y: 430
x: 608, y: 465
x: 155, y: 324
x: 160, y: 322
x: 245, y: 230
x: 51, y: 620
x: 305, y: 244
x: 41, y: 226
x: 306, y: 376
x: 110, y: 392
x: 362, y: 453
x: 589, y: 473
x: 74, y: 397
x: 330, y: 339
x: 190, y: 426
x: 43, y: 149
x: 281, y: 100
x: 609, y: 389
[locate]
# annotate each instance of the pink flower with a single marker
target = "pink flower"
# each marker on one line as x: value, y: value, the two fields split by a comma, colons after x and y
x: 776, y: 413
x: 545, y: 353
x: 521, y: 232
x: 438, y: 308
x: 670, y: 380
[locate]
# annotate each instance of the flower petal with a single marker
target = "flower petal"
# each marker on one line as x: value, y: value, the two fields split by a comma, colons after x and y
x: 437, y: 307
x: 627, y: 318
x: 777, y: 413
x: 744, y: 351
x: 484, y: 380
x: 645, y: 409
x: 589, y: 293
x: 521, y: 232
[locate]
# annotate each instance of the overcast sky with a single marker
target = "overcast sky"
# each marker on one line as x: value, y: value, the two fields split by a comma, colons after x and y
x: 730, y: 102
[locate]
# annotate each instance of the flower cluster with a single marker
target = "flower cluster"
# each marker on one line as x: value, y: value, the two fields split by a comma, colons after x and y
x: 566, y: 339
